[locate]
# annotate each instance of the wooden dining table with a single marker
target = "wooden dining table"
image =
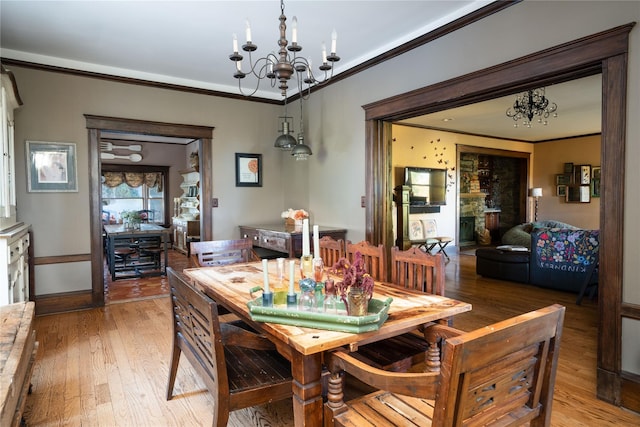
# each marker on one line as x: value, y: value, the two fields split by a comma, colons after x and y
x: 304, y: 347
x: 115, y: 232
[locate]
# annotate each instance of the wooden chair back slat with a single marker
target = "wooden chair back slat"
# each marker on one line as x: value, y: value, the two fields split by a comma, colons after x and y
x: 503, y: 374
x: 418, y: 270
x: 374, y: 257
x: 222, y: 252
x: 239, y: 367
x: 331, y: 250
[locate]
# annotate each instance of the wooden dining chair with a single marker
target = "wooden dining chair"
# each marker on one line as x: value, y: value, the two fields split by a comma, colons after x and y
x: 222, y: 252
x: 239, y: 367
x: 374, y: 257
x: 331, y: 250
x: 503, y: 374
x: 417, y: 270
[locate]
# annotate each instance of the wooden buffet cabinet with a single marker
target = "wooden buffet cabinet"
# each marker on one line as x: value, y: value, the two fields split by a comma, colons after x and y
x: 279, y: 238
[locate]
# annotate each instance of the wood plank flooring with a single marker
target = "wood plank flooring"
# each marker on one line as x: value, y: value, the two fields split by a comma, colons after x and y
x: 109, y: 366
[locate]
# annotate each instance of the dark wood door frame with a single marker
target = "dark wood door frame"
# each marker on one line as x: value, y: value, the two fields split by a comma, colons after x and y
x: 606, y: 53
x: 97, y: 124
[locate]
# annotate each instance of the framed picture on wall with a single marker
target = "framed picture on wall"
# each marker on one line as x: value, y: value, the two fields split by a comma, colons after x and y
x: 248, y: 170
x: 568, y: 168
x: 561, y: 191
x: 595, y: 181
x: 563, y: 179
x: 51, y: 167
x: 578, y: 194
x: 584, y: 177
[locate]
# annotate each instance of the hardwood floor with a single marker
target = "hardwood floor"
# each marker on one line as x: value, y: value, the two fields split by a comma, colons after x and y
x: 122, y: 290
x: 109, y: 366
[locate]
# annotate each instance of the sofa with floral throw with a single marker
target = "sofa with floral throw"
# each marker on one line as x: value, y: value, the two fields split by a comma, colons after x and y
x: 560, y: 257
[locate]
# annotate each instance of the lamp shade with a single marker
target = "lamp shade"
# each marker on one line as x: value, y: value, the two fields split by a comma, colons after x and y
x: 536, y: 192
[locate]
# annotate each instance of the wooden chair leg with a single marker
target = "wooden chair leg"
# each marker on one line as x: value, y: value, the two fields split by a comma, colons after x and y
x: 173, y: 370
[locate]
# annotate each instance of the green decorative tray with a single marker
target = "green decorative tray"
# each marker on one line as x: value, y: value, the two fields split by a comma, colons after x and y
x: 377, y: 314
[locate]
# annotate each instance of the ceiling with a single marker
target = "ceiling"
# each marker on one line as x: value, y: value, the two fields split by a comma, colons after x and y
x: 188, y: 43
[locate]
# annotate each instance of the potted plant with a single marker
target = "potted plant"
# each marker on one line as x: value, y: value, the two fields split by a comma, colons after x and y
x: 131, y: 220
x: 356, y: 287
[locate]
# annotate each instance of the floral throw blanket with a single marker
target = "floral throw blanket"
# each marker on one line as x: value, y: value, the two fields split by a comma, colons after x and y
x: 566, y: 250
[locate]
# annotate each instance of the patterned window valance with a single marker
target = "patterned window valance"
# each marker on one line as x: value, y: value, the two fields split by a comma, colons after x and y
x: 133, y: 179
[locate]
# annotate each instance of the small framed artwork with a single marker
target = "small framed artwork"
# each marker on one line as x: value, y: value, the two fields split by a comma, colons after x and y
x: 595, y: 181
x: 563, y: 179
x: 248, y: 170
x: 561, y: 191
x: 51, y: 167
x: 578, y: 194
x: 568, y: 168
x: 584, y: 177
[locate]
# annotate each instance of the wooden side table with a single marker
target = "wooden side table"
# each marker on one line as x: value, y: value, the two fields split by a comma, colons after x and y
x: 280, y: 238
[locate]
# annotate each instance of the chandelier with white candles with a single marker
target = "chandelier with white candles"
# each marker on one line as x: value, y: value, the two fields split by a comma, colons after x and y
x: 280, y: 67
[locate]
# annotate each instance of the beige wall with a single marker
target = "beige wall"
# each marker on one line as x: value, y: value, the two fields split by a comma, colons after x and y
x: 53, y: 110
x: 550, y: 159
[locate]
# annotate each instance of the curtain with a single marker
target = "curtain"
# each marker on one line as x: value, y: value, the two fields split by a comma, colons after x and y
x: 133, y: 179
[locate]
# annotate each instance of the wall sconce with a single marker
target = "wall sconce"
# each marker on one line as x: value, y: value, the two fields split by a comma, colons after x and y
x: 536, y: 193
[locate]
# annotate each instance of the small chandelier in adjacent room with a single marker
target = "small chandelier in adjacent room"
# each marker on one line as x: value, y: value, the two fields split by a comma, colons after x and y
x: 530, y: 104
x: 281, y: 67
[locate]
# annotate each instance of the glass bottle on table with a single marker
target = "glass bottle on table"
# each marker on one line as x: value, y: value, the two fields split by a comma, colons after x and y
x: 330, y: 304
x: 318, y: 270
x: 306, y: 267
x: 279, y: 289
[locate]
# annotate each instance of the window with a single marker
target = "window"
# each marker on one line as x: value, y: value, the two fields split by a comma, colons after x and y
x: 133, y: 189
x: 125, y: 198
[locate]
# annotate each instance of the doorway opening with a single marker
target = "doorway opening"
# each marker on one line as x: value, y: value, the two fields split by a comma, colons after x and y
x: 99, y: 126
x: 604, y: 53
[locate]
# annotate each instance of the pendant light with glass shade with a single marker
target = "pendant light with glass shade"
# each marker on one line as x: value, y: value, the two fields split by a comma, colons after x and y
x: 301, y: 151
x: 286, y: 141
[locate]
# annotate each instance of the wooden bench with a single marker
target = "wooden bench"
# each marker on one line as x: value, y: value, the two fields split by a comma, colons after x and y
x: 18, y: 348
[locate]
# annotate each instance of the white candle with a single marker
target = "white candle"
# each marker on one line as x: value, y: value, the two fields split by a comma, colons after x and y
x: 316, y: 242
x: 248, y: 32
x: 334, y: 40
x: 294, y: 30
x: 305, y: 237
x: 265, y: 272
x: 324, y: 53
x: 235, y: 43
x: 292, y: 268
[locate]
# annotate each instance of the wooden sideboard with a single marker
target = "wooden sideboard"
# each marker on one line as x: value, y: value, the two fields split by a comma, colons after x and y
x: 284, y: 239
x: 18, y: 348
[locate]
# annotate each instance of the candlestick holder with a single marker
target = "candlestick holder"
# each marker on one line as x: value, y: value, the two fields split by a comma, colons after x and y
x: 292, y: 300
x: 267, y: 299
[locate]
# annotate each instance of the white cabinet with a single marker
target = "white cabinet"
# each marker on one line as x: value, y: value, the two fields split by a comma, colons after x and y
x: 190, y: 198
x: 186, y: 225
x: 14, y: 236
x: 10, y: 101
x: 14, y: 265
